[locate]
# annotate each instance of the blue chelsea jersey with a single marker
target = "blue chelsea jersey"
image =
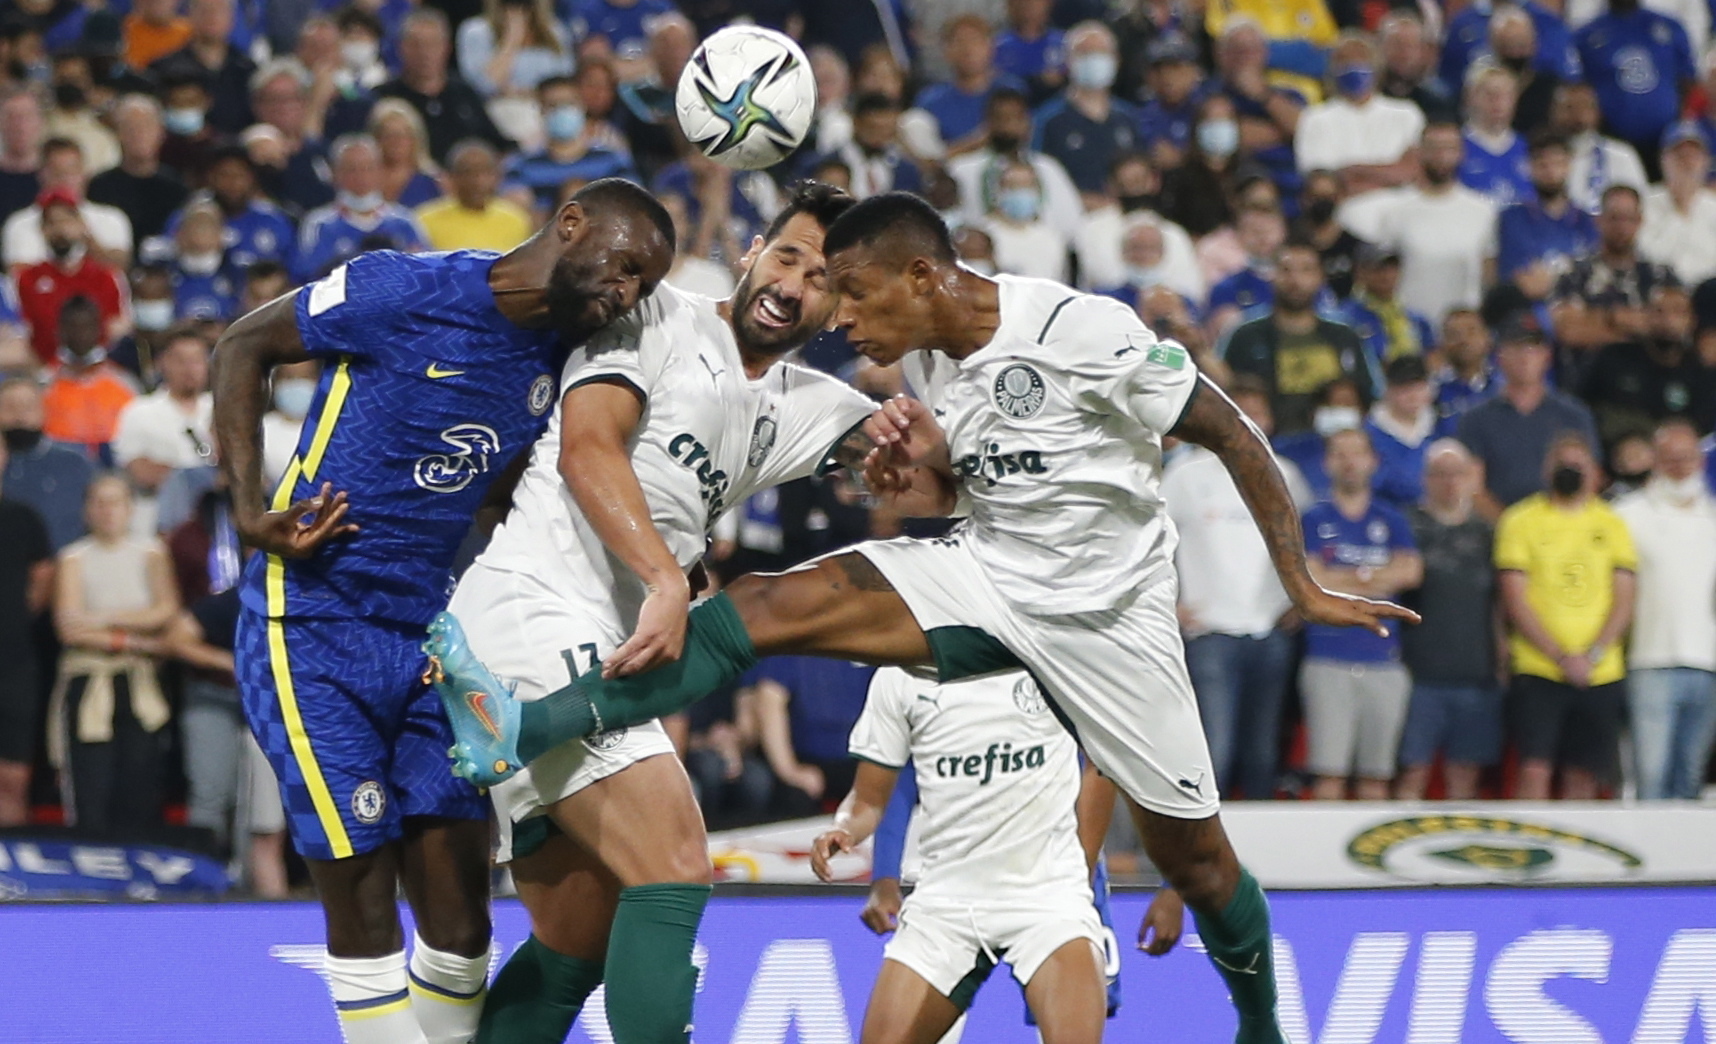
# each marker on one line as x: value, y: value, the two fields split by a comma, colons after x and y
x: 427, y: 393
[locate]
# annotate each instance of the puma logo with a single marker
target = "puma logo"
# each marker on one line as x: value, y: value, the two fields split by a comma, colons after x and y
x: 714, y: 374
x: 1196, y: 787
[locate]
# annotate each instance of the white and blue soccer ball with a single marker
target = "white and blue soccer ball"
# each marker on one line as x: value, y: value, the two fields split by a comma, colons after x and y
x: 746, y: 97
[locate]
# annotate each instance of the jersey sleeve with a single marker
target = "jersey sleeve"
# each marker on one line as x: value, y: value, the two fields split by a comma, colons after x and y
x: 631, y: 351
x: 816, y: 413
x: 1114, y: 364
x: 882, y: 734
x: 889, y: 841
x: 348, y: 311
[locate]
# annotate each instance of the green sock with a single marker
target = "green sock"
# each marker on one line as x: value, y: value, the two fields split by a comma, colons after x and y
x: 717, y: 651
x: 1240, y: 944
x: 536, y: 997
x: 651, y: 980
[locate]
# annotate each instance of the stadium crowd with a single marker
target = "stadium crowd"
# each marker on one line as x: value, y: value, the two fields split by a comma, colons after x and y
x: 1457, y: 261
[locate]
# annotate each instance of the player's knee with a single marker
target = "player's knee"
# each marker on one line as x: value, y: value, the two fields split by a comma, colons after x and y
x: 461, y: 933
x: 689, y: 864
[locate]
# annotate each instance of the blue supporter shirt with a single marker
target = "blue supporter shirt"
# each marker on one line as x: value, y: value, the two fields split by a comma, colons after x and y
x: 956, y: 112
x: 427, y: 393
x: 1468, y: 36
x: 210, y: 296
x: 1526, y: 234
x: 1085, y: 147
x: 1172, y: 124
x: 1504, y: 177
x: 1304, y: 449
x: 1247, y: 290
x: 623, y: 26
x: 1455, y: 395
x: 331, y: 235
x: 544, y: 176
x: 827, y: 697
x: 1637, y: 63
x: 259, y: 232
x: 1017, y: 56
x: 1368, y: 325
x: 1372, y: 541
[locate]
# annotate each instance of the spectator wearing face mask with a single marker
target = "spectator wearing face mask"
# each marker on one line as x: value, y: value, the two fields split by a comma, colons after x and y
x: 153, y: 313
x: 361, y: 68
x: 85, y: 395
x: 1370, y: 140
x: 1671, y: 687
x: 1154, y: 252
x: 1025, y: 244
x: 40, y: 473
x: 1338, y: 248
x: 1007, y: 118
x: 294, y: 391
x: 572, y: 151
x: 107, y: 230
x: 70, y: 271
x: 1087, y: 126
x: 874, y: 156
x: 1176, y: 88
x: 205, y: 285
x: 1495, y: 164
x: 211, y: 57
x: 191, y: 141
x: 330, y: 235
x: 1568, y: 578
x: 1199, y: 194
x: 254, y: 229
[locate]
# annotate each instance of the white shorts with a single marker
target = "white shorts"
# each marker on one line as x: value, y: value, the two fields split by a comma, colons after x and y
x: 954, y: 946
x: 1116, y: 677
x: 534, y: 640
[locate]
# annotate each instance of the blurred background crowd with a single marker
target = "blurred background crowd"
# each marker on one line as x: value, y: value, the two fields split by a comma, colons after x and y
x: 1456, y: 260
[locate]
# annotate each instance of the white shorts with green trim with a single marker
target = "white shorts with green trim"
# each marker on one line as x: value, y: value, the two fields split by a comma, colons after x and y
x: 1117, y: 677
x: 954, y: 947
x: 537, y: 642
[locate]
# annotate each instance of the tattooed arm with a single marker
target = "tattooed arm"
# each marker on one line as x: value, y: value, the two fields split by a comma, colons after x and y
x: 1211, y: 420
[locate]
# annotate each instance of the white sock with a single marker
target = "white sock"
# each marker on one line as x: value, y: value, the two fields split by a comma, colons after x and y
x: 372, y: 1000
x: 447, y: 992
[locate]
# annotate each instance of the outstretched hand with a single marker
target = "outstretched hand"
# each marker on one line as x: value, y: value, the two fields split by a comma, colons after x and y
x: 1334, y: 609
x: 302, y: 529
x: 826, y: 847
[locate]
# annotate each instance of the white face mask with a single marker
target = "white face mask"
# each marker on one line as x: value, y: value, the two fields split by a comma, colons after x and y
x: 1681, y: 491
x: 293, y: 395
x: 153, y: 315
x: 359, y: 54
x: 1330, y: 419
x: 200, y: 264
x: 364, y: 204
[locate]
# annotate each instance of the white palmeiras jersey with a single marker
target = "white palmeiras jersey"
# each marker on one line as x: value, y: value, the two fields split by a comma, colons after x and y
x: 1055, y: 430
x: 998, y: 782
x: 708, y: 438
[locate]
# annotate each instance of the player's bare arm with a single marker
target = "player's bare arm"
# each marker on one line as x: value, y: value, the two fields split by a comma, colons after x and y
x: 856, y: 818
x: 908, y: 466
x: 596, y: 465
x: 244, y: 357
x: 1215, y: 423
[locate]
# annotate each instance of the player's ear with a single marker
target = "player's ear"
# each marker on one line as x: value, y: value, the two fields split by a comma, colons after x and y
x: 921, y: 275
x: 757, y: 245
x: 570, y: 221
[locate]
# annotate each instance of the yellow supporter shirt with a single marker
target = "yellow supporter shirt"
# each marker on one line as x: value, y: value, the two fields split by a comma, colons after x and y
x: 501, y: 225
x: 1569, y: 560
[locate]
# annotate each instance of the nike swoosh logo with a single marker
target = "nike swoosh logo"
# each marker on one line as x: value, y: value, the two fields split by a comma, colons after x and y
x: 476, y: 701
x: 435, y: 372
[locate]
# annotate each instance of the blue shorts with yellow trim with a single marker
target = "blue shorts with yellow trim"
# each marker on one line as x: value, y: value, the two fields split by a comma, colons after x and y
x: 355, y: 737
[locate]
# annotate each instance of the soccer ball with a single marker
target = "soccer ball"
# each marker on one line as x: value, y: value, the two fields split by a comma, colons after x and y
x: 746, y: 97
